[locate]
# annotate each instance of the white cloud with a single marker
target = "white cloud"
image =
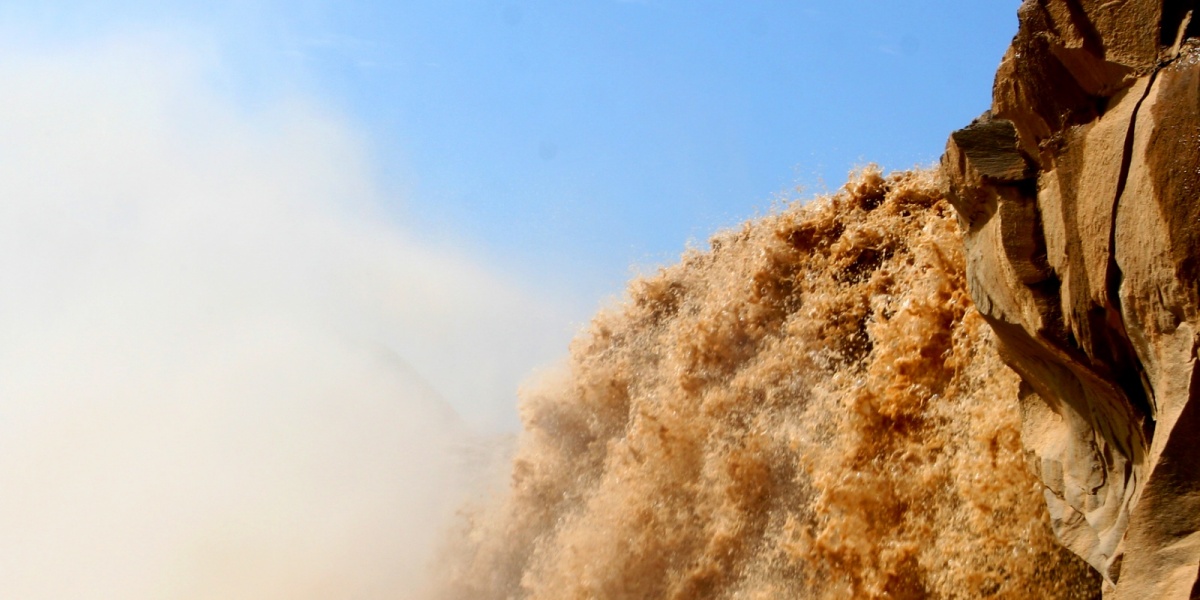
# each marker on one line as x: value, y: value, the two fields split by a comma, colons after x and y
x: 216, y: 357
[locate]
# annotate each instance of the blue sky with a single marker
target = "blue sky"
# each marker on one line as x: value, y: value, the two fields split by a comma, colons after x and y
x: 569, y: 141
x: 582, y: 137
x: 541, y: 152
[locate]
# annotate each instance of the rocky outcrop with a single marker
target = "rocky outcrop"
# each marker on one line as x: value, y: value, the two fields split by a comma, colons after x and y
x: 1079, y: 197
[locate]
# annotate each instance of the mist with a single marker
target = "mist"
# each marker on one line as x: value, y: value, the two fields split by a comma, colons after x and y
x: 225, y: 370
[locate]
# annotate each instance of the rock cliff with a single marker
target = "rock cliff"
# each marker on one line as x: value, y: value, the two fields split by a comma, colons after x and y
x: 1079, y: 196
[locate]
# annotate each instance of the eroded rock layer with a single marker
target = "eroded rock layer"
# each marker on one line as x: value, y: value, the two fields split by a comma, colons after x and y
x: 1078, y: 196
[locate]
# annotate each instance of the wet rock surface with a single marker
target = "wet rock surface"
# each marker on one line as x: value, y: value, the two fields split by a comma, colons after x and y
x: 1079, y: 196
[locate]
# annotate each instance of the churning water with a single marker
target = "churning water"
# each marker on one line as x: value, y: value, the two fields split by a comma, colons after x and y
x: 812, y: 408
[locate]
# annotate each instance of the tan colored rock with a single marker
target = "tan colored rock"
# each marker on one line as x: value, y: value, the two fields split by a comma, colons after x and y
x: 1079, y: 196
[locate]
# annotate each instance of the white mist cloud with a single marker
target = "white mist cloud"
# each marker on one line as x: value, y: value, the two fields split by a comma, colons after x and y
x: 217, y: 361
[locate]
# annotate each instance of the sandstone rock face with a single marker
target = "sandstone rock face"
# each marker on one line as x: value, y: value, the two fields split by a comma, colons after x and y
x: 1079, y: 196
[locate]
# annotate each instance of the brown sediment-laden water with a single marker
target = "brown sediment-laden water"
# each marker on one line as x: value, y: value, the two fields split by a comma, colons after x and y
x: 810, y: 408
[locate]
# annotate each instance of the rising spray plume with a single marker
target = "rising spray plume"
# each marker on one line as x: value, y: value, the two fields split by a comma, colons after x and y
x: 812, y: 408
x: 218, y: 361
